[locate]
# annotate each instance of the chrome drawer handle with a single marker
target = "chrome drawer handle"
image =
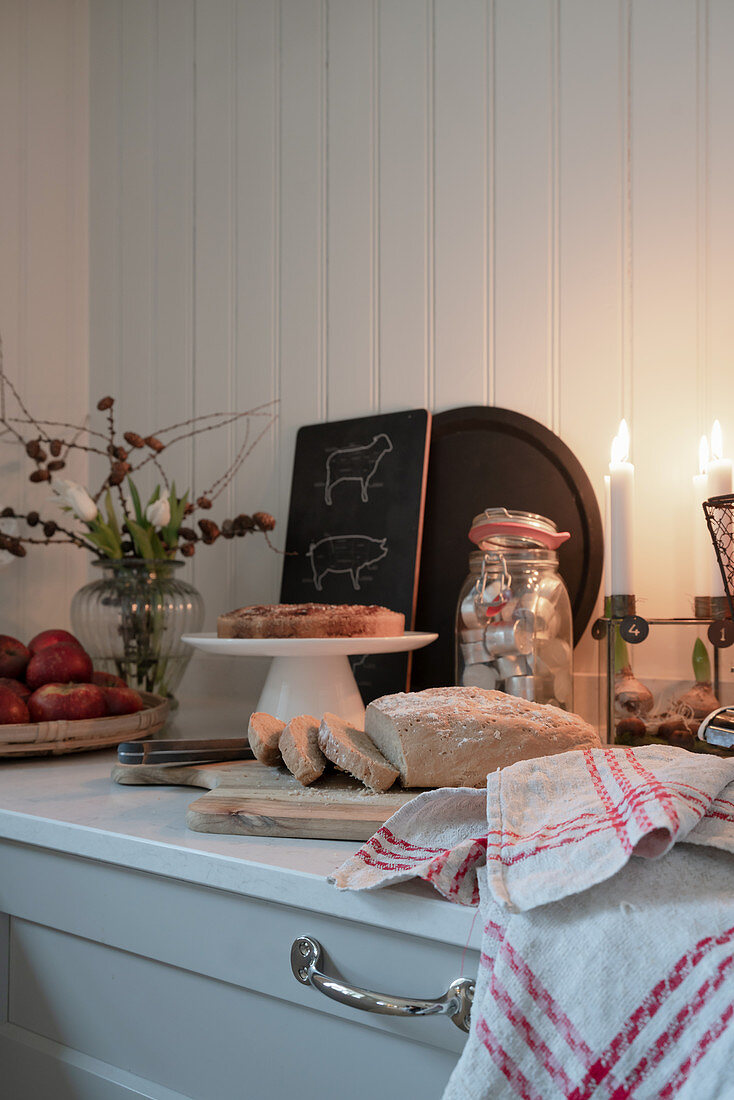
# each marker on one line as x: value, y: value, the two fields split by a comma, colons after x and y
x: 456, y: 1002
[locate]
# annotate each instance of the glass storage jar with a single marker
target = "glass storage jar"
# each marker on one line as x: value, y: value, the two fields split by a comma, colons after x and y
x: 514, y: 626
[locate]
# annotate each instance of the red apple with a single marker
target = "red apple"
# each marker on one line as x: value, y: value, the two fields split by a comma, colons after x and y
x: 122, y: 700
x: 53, y: 702
x: 59, y: 664
x: 20, y: 690
x: 52, y: 637
x: 12, y: 708
x: 107, y: 679
x: 13, y: 657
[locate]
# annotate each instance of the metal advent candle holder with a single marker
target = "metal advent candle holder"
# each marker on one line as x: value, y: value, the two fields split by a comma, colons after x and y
x: 634, y: 630
x: 719, y: 512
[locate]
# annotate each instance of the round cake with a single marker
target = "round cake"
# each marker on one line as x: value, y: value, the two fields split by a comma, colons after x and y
x: 311, y: 620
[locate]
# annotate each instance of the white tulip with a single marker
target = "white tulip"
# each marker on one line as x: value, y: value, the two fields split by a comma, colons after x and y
x: 159, y: 512
x: 75, y: 496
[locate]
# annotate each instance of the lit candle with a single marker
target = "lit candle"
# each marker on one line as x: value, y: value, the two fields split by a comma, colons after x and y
x: 607, y: 538
x: 621, y: 499
x: 702, y: 548
x: 719, y: 471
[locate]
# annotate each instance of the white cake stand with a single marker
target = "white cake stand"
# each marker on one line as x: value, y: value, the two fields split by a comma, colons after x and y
x: 309, y: 675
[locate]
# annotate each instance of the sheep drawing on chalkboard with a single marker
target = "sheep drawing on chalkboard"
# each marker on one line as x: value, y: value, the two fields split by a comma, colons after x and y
x: 356, y: 464
x: 344, y: 554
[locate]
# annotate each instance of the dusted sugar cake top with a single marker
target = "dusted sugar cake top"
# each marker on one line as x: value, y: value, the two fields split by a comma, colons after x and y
x: 311, y: 620
x: 453, y: 737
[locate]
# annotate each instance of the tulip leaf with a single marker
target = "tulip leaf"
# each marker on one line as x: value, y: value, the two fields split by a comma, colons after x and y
x: 701, y: 663
x: 135, y: 497
x: 141, y: 539
x: 101, y: 536
x: 158, y: 550
x: 111, y: 517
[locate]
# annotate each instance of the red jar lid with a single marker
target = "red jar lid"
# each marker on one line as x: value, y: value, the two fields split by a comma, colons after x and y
x: 503, y: 527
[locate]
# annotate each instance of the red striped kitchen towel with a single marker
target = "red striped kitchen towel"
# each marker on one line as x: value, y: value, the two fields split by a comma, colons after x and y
x: 600, y: 975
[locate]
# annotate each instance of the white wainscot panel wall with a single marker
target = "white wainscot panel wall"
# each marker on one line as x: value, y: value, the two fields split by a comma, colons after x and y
x: 351, y: 207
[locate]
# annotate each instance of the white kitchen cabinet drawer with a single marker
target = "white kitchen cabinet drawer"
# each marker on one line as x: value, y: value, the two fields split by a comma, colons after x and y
x: 151, y: 986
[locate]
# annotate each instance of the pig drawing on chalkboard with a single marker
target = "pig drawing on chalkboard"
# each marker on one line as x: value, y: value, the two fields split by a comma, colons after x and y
x: 344, y: 554
x: 356, y: 464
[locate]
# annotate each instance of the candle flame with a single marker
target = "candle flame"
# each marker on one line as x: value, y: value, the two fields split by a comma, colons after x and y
x: 624, y: 437
x: 717, y: 443
x: 621, y: 444
x: 703, y: 454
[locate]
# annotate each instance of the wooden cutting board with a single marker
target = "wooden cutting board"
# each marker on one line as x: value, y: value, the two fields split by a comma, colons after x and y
x: 250, y: 799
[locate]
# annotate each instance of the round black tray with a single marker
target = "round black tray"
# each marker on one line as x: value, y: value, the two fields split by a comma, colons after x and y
x: 488, y: 457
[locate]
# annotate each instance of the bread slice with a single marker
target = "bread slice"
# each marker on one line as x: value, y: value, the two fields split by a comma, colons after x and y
x: 299, y: 747
x: 310, y: 620
x: 263, y: 733
x: 453, y: 737
x: 352, y: 751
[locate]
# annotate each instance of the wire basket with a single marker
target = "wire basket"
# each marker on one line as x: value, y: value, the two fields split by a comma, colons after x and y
x: 719, y: 512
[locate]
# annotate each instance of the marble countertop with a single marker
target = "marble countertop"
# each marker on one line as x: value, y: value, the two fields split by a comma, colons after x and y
x: 70, y: 804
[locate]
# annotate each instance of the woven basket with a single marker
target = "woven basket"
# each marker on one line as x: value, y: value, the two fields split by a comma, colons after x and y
x: 55, y: 738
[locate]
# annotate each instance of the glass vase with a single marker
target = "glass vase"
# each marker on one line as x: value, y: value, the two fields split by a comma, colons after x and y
x: 131, y: 621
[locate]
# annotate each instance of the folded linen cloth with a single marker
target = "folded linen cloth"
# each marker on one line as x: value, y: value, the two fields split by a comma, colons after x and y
x: 600, y: 976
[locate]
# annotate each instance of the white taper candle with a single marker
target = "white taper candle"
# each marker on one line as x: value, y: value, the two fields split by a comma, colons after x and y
x: 622, y: 500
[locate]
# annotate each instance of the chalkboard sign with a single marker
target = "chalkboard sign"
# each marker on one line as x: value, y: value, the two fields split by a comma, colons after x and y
x: 481, y: 458
x: 355, y: 524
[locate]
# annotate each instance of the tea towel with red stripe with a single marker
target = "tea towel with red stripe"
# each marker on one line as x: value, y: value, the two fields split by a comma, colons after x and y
x: 600, y: 975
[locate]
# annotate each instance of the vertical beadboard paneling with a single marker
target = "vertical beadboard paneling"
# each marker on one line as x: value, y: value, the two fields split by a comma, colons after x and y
x: 45, y: 241
x: 592, y: 108
x: 354, y: 206
x: 719, y: 224
x: 592, y: 192
x: 256, y: 568
x: 302, y: 220
x: 105, y: 200
x: 405, y: 203
x: 76, y: 277
x: 664, y: 295
x: 215, y: 287
x: 173, y: 228
x: 461, y: 133
x: 12, y: 223
x: 136, y: 379
x: 352, y: 211
x: 523, y: 204
x: 47, y: 354
x: 43, y: 283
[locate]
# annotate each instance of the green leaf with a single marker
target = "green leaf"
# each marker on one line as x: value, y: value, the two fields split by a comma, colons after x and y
x: 158, y: 550
x: 101, y: 536
x: 135, y: 496
x: 111, y: 517
x: 701, y: 663
x: 141, y: 539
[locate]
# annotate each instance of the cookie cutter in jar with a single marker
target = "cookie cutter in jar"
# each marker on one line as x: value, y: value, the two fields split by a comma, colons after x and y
x: 487, y: 598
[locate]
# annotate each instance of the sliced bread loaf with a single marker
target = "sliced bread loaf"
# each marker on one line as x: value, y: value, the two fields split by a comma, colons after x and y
x: 263, y: 733
x: 352, y: 751
x: 455, y: 736
x: 299, y: 747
